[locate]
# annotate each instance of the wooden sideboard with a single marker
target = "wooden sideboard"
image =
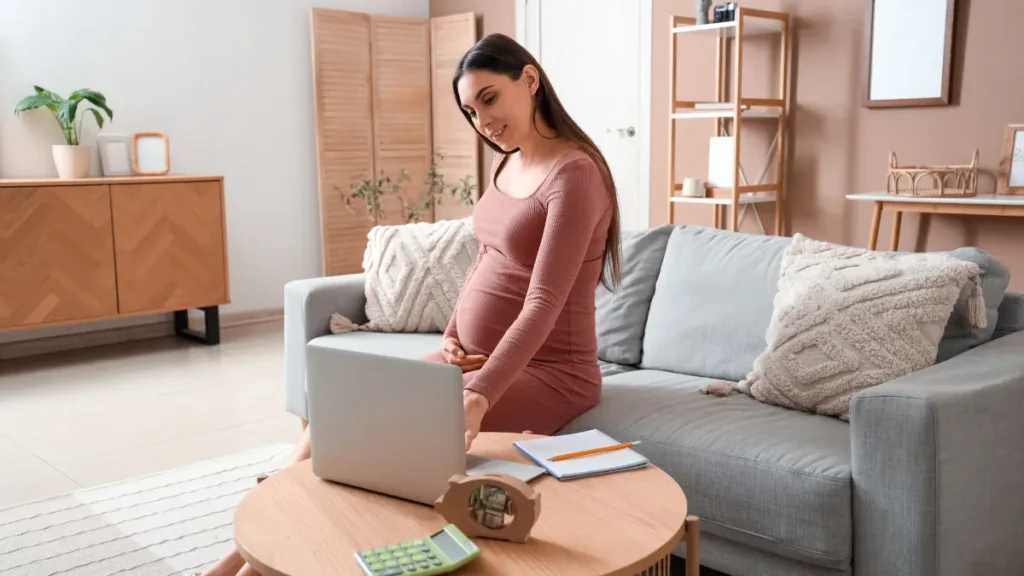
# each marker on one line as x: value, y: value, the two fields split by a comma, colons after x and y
x: 75, y: 251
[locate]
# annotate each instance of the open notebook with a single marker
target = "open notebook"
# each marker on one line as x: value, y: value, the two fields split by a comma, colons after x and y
x: 541, y: 450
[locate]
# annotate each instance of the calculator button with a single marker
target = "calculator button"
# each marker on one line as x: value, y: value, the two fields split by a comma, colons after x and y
x: 424, y: 549
x: 409, y: 566
x: 391, y: 564
x: 376, y: 566
x: 418, y: 557
x: 436, y: 562
x: 424, y: 565
x: 394, y: 547
x: 417, y: 542
x: 430, y: 555
x: 393, y: 572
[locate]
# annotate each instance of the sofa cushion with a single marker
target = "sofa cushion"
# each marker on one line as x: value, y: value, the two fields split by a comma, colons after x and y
x: 1011, y: 313
x: 755, y: 474
x: 622, y: 312
x: 712, y: 302
x: 415, y: 274
x: 849, y: 318
x: 960, y: 336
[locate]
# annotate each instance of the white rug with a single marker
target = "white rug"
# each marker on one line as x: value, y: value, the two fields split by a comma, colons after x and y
x: 168, y: 524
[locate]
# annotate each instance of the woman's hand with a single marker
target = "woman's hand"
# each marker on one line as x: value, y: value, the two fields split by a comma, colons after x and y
x: 452, y: 352
x: 474, y: 405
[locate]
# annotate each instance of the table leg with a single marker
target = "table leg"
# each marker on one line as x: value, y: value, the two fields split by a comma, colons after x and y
x: 692, y: 546
x: 718, y: 215
x: 897, y: 219
x: 876, y: 219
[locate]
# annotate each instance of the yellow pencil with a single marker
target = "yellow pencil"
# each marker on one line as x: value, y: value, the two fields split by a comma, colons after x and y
x: 594, y: 451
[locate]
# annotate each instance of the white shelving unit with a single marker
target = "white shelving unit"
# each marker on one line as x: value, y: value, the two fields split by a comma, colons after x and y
x: 749, y: 22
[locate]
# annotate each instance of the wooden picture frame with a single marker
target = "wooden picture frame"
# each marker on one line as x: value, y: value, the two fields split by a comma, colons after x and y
x: 145, y: 160
x: 889, y: 26
x: 1011, y: 164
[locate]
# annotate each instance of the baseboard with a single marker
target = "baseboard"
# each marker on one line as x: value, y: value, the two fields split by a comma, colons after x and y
x: 121, y: 335
x: 245, y: 318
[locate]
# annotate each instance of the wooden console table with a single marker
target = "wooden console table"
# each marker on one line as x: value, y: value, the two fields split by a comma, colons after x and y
x: 74, y: 251
x: 980, y: 205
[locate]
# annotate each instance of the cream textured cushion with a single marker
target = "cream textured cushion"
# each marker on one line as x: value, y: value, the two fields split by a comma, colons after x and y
x: 414, y: 275
x: 846, y: 319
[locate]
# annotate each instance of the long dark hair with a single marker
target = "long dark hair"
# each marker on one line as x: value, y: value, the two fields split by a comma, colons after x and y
x: 499, y: 54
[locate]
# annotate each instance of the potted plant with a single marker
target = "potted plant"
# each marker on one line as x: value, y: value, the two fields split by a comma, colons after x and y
x: 71, y: 158
x: 370, y: 193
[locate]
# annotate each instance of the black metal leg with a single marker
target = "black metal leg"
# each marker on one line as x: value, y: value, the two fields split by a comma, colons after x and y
x: 210, y: 336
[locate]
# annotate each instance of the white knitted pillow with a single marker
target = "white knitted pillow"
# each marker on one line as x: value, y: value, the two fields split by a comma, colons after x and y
x: 846, y: 319
x: 414, y: 275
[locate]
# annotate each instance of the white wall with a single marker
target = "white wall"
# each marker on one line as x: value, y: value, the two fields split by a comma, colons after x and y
x: 230, y: 83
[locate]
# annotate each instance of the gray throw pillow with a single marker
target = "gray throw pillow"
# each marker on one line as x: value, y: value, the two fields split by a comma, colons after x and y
x: 960, y: 336
x: 622, y: 313
x: 713, y: 302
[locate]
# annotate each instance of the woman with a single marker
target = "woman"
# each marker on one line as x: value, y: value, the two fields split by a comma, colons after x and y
x: 523, y: 332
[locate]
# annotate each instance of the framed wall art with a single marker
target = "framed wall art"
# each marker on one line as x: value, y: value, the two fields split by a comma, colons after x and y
x: 908, y: 53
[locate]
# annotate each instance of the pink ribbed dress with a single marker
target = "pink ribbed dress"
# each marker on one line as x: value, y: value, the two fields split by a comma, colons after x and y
x: 529, y: 301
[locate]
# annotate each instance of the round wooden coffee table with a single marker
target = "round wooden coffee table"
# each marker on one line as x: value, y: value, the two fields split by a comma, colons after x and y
x: 627, y: 523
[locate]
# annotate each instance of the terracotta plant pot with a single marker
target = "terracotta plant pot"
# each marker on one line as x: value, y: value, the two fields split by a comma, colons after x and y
x: 72, y: 161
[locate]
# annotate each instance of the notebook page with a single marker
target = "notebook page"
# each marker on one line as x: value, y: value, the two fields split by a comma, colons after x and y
x: 543, y: 449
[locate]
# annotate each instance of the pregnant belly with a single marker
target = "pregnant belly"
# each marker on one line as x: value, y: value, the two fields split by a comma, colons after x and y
x: 489, y: 304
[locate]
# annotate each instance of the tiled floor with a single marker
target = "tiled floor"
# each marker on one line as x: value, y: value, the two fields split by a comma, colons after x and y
x: 106, y: 414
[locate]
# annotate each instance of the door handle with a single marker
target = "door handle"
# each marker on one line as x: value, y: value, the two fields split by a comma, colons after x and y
x: 630, y: 131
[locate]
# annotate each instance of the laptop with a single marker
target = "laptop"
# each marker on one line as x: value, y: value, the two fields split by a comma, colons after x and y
x: 390, y: 425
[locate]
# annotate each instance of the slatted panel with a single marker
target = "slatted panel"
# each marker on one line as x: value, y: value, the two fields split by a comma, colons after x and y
x: 457, y: 141
x: 56, y: 255
x: 400, y: 50
x: 169, y: 244
x: 344, y: 131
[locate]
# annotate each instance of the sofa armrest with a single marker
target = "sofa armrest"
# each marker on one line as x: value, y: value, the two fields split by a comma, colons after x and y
x: 308, y: 305
x: 938, y: 467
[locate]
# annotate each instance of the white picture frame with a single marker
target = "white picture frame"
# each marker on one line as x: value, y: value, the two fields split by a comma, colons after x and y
x: 115, y: 154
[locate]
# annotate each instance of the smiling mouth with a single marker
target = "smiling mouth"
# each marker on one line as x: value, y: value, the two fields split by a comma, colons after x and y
x: 497, y: 134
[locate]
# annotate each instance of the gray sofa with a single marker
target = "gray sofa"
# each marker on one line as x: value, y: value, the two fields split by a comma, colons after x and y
x: 927, y: 478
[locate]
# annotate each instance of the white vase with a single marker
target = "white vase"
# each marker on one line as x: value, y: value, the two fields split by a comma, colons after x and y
x: 72, y: 161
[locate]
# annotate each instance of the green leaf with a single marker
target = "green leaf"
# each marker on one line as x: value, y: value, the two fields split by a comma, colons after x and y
x: 57, y: 98
x: 37, y: 101
x: 96, y: 114
x: 67, y: 111
x: 94, y: 98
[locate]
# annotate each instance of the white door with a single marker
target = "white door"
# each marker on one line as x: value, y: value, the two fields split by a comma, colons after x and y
x: 598, y: 60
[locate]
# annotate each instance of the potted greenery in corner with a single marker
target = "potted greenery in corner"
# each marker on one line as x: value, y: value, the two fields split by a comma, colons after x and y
x: 72, y: 159
x: 370, y: 193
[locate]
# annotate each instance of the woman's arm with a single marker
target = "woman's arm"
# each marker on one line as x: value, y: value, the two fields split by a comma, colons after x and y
x: 576, y: 202
x: 452, y: 330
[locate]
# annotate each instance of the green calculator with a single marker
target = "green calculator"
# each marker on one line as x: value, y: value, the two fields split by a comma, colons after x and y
x: 443, y: 552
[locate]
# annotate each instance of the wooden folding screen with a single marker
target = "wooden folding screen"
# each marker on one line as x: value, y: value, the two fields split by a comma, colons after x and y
x: 458, y: 144
x: 344, y: 131
x: 400, y: 52
x: 383, y: 103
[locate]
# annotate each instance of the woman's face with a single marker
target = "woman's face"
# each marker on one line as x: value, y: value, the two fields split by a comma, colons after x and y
x: 501, y: 108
